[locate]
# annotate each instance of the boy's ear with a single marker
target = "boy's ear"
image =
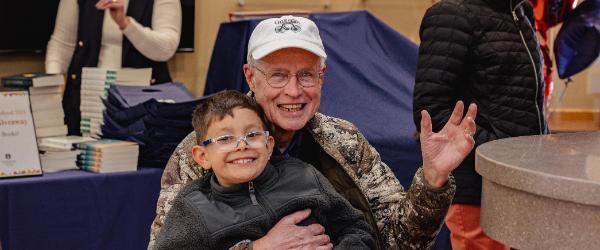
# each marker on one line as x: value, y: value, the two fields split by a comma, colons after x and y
x: 270, y: 145
x: 200, y: 156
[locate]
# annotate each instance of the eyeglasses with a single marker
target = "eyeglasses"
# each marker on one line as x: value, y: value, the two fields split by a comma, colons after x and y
x: 228, y: 143
x: 279, y: 78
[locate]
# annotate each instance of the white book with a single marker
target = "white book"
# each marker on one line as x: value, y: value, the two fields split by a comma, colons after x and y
x: 51, y: 131
x: 97, y: 93
x: 51, y: 166
x: 92, y: 109
x: 92, y: 102
x: 95, y: 70
x: 64, y: 142
x: 57, y: 89
x: 42, y: 123
x: 48, y: 114
x: 94, y: 87
x: 103, y: 77
x: 49, y: 80
x: 45, y: 102
x: 59, y: 154
x: 94, y: 82
x: 95, y: 98
x: 92, y: 115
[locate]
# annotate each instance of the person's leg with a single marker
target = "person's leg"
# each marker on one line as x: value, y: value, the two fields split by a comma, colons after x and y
x: 465, y: 230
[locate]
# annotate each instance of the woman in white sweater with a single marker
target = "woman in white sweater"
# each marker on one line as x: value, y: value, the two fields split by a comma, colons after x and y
x: 111, y: 34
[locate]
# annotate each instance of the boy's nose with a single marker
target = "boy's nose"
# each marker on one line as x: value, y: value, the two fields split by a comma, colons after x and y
x: 239, y: 145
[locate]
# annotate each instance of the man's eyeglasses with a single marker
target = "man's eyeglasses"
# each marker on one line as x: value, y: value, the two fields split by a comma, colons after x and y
x: 228, y: 143
x: 279, y: 78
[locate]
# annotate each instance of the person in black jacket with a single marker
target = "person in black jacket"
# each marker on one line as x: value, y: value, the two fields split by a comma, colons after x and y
x: 244, y: 196
x: 483, y: 52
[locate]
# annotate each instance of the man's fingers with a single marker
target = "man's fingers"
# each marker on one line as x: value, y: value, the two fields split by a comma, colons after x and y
x: 295, y: 217
x: 326, y: 247
x: 457, y: 113
x: 316, y: 229
x: 472, y: 112
x: 425, y: 125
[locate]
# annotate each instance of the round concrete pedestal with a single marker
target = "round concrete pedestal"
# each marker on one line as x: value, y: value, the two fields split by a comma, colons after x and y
x: 542, y: 192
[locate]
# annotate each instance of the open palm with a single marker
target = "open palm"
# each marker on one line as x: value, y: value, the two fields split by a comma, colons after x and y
x: 444, y: 151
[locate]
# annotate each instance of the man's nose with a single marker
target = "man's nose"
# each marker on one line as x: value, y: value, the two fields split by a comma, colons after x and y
x: 293, y: 88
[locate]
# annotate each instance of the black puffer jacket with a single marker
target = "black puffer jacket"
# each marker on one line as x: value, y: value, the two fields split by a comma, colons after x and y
x: 486, y: 52
x: 206, y: 215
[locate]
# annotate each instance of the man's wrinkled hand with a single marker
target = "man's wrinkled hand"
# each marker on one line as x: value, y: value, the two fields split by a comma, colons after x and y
x: 286, y: 234
x: 444, y: 151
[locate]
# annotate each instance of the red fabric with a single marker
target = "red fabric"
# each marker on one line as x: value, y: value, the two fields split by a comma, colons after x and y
x: 465, y: 230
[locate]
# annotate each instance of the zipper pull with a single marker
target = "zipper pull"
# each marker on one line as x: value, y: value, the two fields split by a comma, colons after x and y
x: 252, y: 195
x: 514, y: 14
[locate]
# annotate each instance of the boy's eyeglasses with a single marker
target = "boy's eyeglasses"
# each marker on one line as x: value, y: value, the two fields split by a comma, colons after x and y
x: 278, y: 78
x: 228, y: 143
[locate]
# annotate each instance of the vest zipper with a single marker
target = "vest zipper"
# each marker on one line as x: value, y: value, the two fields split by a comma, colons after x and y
x: 535, y: 73
x: 255, y: 196
x: 252, y: 193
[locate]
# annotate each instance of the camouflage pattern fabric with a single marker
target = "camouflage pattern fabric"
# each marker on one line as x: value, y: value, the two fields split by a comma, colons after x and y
x: 406, y: 220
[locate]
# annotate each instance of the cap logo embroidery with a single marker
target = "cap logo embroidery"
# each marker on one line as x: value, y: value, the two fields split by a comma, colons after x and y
x: 284, y: 25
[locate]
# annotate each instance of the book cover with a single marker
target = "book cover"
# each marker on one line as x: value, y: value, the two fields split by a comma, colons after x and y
x: 18, y: 146
x: 36, y: 79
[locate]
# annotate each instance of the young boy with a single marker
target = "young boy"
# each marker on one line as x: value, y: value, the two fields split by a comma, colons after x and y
x: 244, y: 195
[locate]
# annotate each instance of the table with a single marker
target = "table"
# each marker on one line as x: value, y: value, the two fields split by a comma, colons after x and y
x: 79, y: 210
x: 542, y: 192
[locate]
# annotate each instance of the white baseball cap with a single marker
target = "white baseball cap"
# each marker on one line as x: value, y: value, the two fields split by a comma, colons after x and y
x: 274, y: 34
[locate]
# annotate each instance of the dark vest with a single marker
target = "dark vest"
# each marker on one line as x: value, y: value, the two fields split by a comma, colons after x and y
x: 311, y: 152
x: 87, y: 50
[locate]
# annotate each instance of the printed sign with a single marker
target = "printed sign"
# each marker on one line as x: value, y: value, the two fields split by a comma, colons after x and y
x: 18, y: 147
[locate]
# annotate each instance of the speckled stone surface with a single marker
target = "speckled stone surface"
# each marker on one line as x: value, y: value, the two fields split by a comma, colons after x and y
x: 542, y: 192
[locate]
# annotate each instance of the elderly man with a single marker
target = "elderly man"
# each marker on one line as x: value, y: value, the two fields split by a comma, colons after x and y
x: 286, y: 64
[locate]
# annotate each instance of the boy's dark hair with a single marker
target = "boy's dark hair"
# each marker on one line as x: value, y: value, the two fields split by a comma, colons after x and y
x: 217, y: 106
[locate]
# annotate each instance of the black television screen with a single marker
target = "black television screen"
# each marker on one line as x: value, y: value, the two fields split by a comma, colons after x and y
x: 26, y: 25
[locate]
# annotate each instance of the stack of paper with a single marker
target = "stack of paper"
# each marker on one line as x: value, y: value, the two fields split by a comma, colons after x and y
x: 94, y: 85
x: 45, y: 93
x: 107, y: 155
x: 59, y: 153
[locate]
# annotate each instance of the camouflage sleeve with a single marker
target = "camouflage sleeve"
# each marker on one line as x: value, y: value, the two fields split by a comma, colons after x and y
x: 242, y: 245
x: 406, y: 220
x: 180, y: 169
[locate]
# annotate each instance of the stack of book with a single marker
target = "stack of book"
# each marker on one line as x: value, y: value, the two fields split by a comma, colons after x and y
x: 45, y: 92
x: 106, y: 155
x: 94, y: 85
x: 59, y: 153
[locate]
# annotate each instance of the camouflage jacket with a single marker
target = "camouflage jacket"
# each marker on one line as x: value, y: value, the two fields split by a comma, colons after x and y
x: 405, y: 219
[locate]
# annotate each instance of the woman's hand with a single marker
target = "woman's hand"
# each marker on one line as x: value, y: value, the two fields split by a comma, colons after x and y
x: 117, y: 11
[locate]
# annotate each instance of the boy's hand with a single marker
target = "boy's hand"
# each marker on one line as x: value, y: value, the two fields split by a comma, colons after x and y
x: 286, y: 234
x: 445, y: 150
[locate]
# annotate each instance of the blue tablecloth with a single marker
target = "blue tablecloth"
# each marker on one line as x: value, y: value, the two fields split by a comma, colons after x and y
x: 79, y: 210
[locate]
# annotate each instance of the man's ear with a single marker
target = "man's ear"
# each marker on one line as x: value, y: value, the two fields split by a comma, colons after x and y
x: 249, y: 75
x: 270, y: 145
x: 200, y: 156
x: 322, y: 76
